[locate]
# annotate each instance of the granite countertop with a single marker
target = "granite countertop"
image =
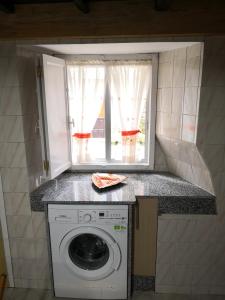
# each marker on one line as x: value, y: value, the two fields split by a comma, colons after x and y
x: 174, y: 194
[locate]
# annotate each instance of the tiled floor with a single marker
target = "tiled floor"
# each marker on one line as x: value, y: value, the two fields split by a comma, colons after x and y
x: 33, y: 294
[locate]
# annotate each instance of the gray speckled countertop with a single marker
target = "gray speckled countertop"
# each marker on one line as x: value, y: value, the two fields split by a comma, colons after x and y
x: 176, y: 196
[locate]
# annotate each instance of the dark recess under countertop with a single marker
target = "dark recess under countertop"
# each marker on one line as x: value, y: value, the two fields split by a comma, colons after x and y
x: 175, y: 195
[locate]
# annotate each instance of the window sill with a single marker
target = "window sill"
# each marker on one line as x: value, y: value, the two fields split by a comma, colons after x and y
x: 112, y: 167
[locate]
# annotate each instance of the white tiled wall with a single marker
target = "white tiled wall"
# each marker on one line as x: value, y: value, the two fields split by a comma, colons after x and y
x: 27, y: 234
x: 191, y: 249
x: 177, y: 113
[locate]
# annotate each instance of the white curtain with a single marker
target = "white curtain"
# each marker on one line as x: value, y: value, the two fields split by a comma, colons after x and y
x: 86, y: 84
x: 129, y: 86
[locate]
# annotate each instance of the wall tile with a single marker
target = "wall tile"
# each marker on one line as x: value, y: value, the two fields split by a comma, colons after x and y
x: 218, y: 274
x: 165, y: 144
x: 212, y: 101
x: 3, y: 67
x: 205, y: 229
x: 183, y: 276
x: 199, y: 241
x: 165, y: 274
x: 14, y: 180
x: 41, y: 249
x: 28, y: 285
x: 185, y: 171
x: 166, y: 56
x: 191, y: 100
x: 8, y: 72
x: 30, y: 123
x: 177, y: 100
x: 194, y: 50
x: 193, y: 71
x: 166, y: 230
x: 163, y: 288
x: 217, y: 290
x: 166, y: 100
x: 20, y: 227
x: 159, y: 100
x: 202, y: 253
x: 10, y: 101
x: 11, y: 129
x: 17, y: 204
x: 202, y: 275
x: 31, y: 269
x: 214, y: 157
x: 39, y: 225
x: 22, y: 248
x: 165, y: 74
x: 160, y: 160
x: 12, y: 155
x: 215, y: 136
x: 175, y: 129
x: 165, y: 124
x: 189, y: 128
x: 184, y: 290
x: 179, y: 72
x: 185, y: 230
x: 158, y: 124
x: 202, y: 178
x: 201, y: 289
x: 7, y: 49
x: 218, y: 257
x: 180, y: 54
x: 165, y: 253
x: 42, y: 269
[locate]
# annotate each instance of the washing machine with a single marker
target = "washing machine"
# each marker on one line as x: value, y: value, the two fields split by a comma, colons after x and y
x: 89, y: 250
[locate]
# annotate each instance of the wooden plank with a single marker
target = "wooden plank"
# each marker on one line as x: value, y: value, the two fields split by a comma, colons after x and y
x: 145, y: 237
x: 127, y: 18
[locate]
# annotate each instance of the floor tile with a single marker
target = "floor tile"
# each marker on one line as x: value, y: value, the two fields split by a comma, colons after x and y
x: 35, y: 294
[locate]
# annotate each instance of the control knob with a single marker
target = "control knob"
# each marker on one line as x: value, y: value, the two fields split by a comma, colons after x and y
x: 87, y: 218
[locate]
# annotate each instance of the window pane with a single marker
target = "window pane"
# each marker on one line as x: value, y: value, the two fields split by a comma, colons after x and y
x: 129, y: 86
x: 86, y: 105
x: 116, y: 144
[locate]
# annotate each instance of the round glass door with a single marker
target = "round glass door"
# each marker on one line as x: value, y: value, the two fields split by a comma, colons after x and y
x: 88, y: 251
x: 91, y: 253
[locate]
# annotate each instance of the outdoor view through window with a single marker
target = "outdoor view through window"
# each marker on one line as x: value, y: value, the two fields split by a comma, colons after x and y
x: 109, y: 111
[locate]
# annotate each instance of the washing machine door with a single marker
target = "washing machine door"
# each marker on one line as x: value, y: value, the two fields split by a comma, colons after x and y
x: 90, y: 252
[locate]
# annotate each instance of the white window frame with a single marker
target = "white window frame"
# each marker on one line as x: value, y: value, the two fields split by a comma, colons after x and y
x: 150, y: 119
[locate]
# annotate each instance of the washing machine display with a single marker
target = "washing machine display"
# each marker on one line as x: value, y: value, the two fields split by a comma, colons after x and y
x: 89, y: 250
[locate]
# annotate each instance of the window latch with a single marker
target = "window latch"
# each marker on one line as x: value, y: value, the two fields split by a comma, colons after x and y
x: 71, y: 122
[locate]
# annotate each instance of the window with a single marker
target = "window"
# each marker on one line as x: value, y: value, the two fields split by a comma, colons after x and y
x: 98, y: 114
x: 109, y: 111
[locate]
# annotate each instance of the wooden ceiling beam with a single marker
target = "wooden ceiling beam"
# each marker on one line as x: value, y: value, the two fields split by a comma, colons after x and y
x: 7, y: 6
x: 162, y: 4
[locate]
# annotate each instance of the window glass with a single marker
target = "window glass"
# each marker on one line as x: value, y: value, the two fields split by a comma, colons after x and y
x: 109, y: 111
x: 86, y: 86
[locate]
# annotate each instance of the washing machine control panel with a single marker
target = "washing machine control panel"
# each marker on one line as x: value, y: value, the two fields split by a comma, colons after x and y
x: 102, y: 216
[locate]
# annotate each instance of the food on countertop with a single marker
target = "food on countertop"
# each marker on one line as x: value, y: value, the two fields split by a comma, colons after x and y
x: 103, y: 180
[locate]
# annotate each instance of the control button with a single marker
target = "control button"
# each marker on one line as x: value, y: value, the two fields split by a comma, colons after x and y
x: 87, y: 218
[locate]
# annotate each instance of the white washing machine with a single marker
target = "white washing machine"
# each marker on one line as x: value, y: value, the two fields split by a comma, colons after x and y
x: 89, y: 250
